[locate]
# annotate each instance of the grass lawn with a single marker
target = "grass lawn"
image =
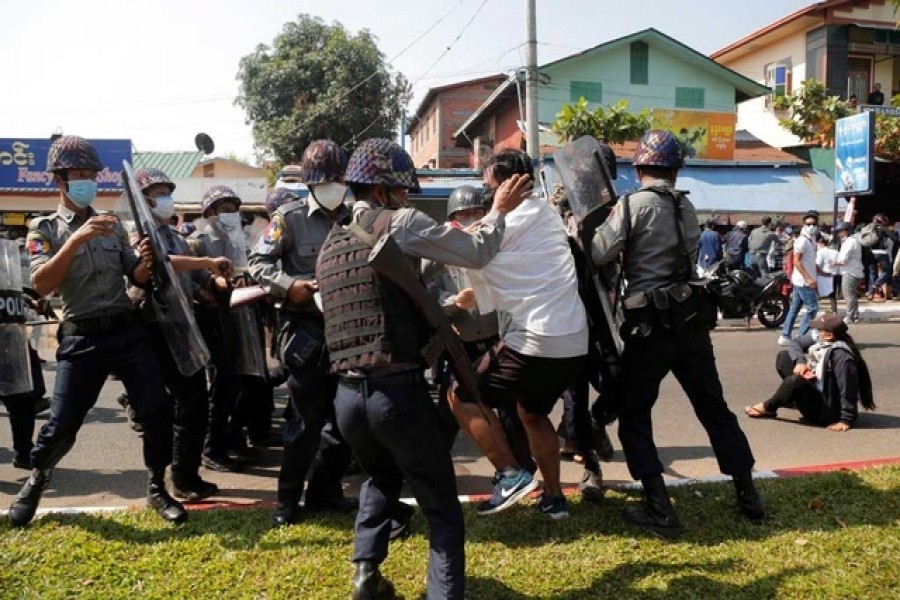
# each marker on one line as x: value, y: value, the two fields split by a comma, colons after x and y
x: 835, y: 535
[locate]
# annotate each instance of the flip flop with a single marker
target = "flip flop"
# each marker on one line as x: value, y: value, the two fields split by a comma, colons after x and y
x: 755, y: 413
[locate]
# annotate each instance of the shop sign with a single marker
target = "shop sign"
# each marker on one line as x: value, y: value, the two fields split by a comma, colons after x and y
x: 854, y: 144
x: 705, y: 135
x: 13, y: 218
x: 23, y: 160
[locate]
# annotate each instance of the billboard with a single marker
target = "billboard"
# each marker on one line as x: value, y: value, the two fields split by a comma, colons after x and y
x: 854, y: 155
x: 705, y: 135
x: 23, y: 160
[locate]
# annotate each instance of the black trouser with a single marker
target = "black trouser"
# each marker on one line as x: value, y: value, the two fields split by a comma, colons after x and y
x: 21, y: 408
x: 311, y: 442
x: 577, y: 418
x: 224, y: 384
x: 83, y: 364
x: 191, y: 412
x: 800, y: 392
x: 689, y: 356
x: 395, y: 432
x: 508, y: 415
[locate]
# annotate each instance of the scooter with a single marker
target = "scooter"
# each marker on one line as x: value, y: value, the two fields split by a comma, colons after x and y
x: 739, y: 296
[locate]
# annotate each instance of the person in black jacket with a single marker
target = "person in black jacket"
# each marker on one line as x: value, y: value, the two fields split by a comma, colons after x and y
x: 823, y: 375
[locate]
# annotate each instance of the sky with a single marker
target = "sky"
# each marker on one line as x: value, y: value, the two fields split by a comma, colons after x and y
x: 158, y: 72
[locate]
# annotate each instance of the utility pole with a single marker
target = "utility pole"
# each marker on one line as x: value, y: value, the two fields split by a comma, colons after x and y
x: 532, y: 139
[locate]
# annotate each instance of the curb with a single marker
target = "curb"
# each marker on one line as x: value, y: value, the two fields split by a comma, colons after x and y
x: 857, y: 465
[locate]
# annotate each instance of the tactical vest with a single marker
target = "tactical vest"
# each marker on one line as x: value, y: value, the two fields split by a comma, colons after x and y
x: 370, y: 323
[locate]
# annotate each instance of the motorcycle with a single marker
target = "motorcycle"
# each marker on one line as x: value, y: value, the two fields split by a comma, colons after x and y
x: 739, y: 296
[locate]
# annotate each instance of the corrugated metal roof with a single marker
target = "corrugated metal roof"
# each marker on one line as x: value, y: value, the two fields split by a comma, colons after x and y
x: 177, y: 165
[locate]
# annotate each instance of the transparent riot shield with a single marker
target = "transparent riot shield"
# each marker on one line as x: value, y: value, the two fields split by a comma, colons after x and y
x: 15, y: 370
x: 585, y: 176
x: 251, y: 358
x: 169, y: 301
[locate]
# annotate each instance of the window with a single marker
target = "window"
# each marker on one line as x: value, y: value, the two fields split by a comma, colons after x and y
x: 778, y: 79
x: 686, y: 97
x: 640, y: 63
x: 592, y: 91
x: 209, y: 170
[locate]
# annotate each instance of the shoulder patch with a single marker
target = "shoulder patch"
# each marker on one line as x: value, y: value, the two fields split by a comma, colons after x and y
x: 38, y: 243
x: 273, y: 232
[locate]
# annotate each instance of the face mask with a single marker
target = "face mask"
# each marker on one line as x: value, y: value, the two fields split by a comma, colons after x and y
x: 227, y: 222
x: 329, y: 195
x: 810, y: 231
x: 82, y: 192
x: 164, y: 209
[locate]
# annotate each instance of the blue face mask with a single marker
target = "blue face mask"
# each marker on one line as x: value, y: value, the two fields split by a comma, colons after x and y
x: 82, y: 192
x: 164, y: 209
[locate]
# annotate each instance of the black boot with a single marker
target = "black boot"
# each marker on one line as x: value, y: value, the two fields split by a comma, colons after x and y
x: 656, y: 514
x: 748, y: 499
x: 370, y: 584
x: 194, y: 489
x: 22, y: 510
x: 287, y: 509
x: 159, y: 500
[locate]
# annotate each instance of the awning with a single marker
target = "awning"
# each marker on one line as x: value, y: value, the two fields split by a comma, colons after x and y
x: 774, y: 190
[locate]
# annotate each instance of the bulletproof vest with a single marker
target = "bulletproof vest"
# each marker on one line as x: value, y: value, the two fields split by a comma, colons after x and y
x: 369, y: 322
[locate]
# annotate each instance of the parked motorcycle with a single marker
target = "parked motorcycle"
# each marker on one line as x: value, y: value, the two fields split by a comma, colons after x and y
x: 739, y: 296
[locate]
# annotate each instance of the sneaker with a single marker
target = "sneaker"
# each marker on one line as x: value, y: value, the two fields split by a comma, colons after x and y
x: 507, y: 491
x: 784, y: 340
x: 555, y: 507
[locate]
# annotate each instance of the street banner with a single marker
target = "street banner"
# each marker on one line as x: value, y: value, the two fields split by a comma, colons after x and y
x: 705, y: 135
x: 854, y: 155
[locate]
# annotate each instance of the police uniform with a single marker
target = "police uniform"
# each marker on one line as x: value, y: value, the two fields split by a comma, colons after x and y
x: 658, y: 264
x: 99, y: 335
x: 286, y: 253
x: 222, y: 337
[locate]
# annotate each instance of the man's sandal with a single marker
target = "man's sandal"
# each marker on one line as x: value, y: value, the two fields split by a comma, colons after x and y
x: 759, y: 413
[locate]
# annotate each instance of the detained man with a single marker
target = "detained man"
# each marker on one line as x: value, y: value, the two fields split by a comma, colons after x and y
x: 533, y: 285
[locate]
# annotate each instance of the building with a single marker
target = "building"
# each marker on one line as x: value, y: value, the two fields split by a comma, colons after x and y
x: 687, y: 92
x: 848, y: 45
x: 440, y: 113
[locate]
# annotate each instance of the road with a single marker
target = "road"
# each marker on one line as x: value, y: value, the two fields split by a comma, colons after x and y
x: 105, y: 466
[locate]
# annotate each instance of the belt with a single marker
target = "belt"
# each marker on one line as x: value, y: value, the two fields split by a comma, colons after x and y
x: 392, y: 379
x: 97, y: 325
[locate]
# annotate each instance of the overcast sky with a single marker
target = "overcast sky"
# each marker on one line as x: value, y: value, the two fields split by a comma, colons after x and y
x: 159, y: 72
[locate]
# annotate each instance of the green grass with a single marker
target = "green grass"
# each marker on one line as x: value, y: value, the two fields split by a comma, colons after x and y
x: 829, y: 536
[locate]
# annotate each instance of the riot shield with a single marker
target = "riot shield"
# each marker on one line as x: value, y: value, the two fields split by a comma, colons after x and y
x: 591, y: 195
x: 170, y: 303
x: 251, y: 357
x: 15, y: 370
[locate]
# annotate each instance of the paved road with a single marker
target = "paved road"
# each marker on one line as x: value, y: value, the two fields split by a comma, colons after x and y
x: 105, y: 467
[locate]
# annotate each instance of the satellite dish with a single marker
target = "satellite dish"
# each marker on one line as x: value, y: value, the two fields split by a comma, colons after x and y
x: 204, y: 143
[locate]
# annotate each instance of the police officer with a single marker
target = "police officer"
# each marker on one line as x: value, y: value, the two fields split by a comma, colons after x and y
x: 284, y: 262
x: 479, y: 332
x: 86, y: 257
x: 666, y: 329
x: 374, y: 336
x: 189, y: 392
x: 220, y: 208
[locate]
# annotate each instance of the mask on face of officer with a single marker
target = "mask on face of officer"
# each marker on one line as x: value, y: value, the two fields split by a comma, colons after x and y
x: 82, y: 191
x: 164, y: 209
x: 226, y: 222
x: 329, y: 195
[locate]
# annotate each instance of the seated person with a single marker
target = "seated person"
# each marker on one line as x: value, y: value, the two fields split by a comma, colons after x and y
x: 823, y: 375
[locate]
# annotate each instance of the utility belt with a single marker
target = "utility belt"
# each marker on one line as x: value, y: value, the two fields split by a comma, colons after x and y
x: 675, y: 308
x: 363, y: 380
x: 97, y: 325
x: 300, y: 340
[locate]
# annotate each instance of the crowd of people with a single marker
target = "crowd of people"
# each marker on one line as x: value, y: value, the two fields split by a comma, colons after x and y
x: 351, y: 338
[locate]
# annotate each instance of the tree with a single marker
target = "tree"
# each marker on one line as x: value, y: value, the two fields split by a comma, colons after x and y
x: 318, y: 81
x: 812, y: 113
x: 615, y: 125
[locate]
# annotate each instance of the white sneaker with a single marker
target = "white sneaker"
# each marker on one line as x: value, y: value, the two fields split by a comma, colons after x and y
x: 784, y: 340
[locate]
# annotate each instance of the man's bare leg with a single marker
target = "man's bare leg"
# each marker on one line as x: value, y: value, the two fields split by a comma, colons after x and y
x: 544, y: 446
x: 487, y: 434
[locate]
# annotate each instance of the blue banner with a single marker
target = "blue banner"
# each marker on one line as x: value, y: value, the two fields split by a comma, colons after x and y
x: 23, y: 160
x: 854, y: 156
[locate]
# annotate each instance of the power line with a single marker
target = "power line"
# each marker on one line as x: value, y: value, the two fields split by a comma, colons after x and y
x: 452, y: 43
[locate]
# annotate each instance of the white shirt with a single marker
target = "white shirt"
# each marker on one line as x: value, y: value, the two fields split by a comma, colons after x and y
x: 532, y: 279
x: 805, y: 252
x: 826, y: 260
x: 850, y: 257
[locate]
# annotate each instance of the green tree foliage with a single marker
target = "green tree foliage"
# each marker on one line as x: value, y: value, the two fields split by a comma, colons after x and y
x: 318, y: 81
x: 812, y: 113
x: 615, y: 124
x: 887, y: 133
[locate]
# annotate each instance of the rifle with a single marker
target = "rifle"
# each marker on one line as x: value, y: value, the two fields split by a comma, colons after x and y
x: 389, y: 262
